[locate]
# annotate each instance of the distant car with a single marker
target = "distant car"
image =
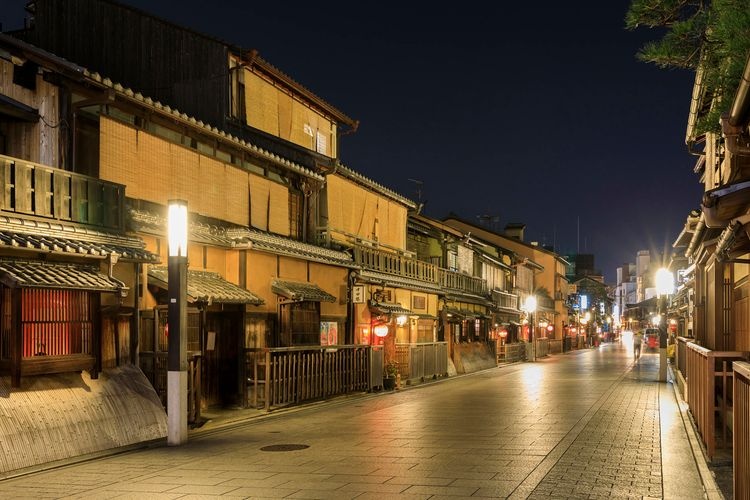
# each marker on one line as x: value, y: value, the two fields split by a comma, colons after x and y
x: 651, y: 337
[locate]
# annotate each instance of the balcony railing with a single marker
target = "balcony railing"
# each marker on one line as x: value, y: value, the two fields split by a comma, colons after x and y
x: 505, y: 300
x: 33, y: 189
x: 392, y: 263
x: 453, y: 280
x: 545, y: 303
x: 387, y: 262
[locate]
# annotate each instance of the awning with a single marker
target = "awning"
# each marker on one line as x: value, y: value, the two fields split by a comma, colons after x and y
x: 389, y: 308
x: 42, y: 236
x: 301, y: 291
x: 58, y: 275
x: 453, y: 313
x: 722, y: 204
x: 733, y: 236
x: 17, y: 110
x: 205, y: 286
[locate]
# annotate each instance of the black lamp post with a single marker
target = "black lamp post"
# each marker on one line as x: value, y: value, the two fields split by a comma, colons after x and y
x: 177, y: 323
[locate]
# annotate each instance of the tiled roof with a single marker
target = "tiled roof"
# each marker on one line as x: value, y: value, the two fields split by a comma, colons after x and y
x: 400, y: 282
x: 179, y: 116
x: 154, y: 223
x: 20, y: 233
x: 301, y: 291
x: 259, y: 240
x: 242, y: 237
x: 470, y: 299
x: 37, y: 274
x: 205, y: 286
x: 365, y: 181
x: 388, y: 308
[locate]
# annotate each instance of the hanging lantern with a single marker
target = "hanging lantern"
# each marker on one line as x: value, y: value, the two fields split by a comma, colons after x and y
x: 380, y: 330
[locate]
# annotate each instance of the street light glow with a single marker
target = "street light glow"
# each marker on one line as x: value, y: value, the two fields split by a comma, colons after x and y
x: 177, y: 236
x: 530, y: 304
x: 664, y: 282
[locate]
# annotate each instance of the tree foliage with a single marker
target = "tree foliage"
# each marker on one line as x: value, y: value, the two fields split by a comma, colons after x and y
x: 711, y: 35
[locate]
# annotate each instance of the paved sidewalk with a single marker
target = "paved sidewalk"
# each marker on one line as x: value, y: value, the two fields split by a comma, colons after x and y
x: 586, y: 424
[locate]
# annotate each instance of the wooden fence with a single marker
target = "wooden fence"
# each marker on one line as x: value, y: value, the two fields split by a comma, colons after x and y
x: 509, y: 353
x: 154, y: 367
x: 291, y: 375
x: 709, y: 394
x: 741, y: 430
x: 418, y: 362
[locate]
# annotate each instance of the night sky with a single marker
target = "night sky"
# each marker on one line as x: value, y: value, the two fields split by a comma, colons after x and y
x: 506, y: 112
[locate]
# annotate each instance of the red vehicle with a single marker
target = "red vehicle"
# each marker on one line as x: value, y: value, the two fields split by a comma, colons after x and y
x: 651, y: 336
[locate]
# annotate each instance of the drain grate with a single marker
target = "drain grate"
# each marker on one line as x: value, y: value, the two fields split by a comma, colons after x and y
x: 284, y: 447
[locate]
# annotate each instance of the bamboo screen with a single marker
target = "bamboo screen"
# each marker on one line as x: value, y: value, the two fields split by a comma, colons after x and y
x: 269, y: 205
x: 157, y: 170
x: 276, y: 112
x: 354, y: 210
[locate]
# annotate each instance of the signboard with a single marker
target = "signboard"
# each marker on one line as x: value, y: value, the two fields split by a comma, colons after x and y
x: 358, y: 294
x: 584, y: 302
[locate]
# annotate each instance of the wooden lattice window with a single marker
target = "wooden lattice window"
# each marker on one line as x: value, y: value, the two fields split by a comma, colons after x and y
x: 295, y: 215
x: 56, y: 322
x: 299, y: 323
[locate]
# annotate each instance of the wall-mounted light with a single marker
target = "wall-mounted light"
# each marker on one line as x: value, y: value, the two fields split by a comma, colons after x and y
x: 401, y: 320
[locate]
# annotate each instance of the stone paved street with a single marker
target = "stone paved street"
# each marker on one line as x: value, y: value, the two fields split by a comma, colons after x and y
x: 587, y: 424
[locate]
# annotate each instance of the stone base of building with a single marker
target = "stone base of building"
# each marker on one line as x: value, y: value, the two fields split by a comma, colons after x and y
x: 54, y: 418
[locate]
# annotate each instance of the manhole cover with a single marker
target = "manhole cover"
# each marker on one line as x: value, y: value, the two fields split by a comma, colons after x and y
x: 284, y: 447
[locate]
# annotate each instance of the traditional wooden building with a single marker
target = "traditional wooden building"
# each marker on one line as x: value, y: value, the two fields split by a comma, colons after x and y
x: 547, y: 272
x: 262, y: 146
x: 478, y: 302
x: 70, y: 275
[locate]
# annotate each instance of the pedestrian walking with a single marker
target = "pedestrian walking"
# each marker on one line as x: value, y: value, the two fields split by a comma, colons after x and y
x: 637, y: 343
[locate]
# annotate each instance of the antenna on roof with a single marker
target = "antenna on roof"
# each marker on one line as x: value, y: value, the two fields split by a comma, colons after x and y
x: 418, y: 186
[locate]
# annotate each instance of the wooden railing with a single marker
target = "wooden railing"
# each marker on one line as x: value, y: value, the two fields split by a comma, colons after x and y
x: 418, y: 362
x: 542, y: 347
x: 709, y: 393
x: 453, y: 280
x: 505, y: 300
x: 154, y: 367
x: 291, y: 375
x: 393, y: 263
x: 741, y: 430
x: 34, y: 189
x: 509, y: 353
x: 681, y: 354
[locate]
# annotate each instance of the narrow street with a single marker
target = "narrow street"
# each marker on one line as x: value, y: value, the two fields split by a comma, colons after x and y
x: 587, y: 424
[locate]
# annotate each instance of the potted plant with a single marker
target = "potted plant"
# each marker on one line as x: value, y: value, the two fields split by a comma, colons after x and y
x: 389, y: 375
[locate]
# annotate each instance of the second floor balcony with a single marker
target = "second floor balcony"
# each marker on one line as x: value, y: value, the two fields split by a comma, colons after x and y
x: 383, y: 261
x: 38, y: 190
x: 388, y: 262
x: 453, y: 280
x: 505, y: 300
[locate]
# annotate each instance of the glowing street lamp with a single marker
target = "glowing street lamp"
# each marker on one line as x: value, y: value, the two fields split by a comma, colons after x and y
x: 530, y: 307
x: 664, y: 287
x: 177, y: 231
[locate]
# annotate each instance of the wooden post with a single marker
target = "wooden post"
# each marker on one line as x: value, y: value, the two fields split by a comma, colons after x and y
x: 17, y: 337
x: 96, y: 334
